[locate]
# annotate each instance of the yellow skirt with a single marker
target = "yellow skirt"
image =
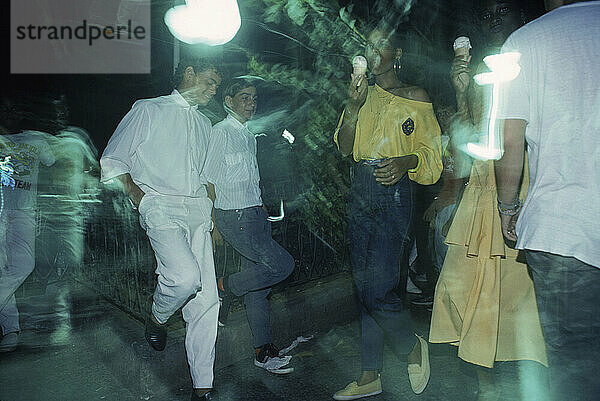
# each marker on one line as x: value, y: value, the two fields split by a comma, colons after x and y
x: 484, y: 300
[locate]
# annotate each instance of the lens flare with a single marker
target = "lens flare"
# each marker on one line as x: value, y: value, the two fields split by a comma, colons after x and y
x: 504, y: 68
x: 287, y: 135
x: 211, y: 22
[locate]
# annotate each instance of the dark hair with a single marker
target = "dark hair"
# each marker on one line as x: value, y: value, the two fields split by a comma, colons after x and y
x: 479, y: 7
x: 199, y: 64
x: 236, y: 85
x: 393, y: 35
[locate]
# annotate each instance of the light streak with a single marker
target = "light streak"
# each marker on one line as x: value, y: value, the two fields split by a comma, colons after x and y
x: 504, y: 68
x: 211, y: 22
x: 281, y: 214
x: 287, y: 135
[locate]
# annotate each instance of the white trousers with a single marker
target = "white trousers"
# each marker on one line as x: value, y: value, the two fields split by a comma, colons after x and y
x: 17, y: 260
x: 179, y: 232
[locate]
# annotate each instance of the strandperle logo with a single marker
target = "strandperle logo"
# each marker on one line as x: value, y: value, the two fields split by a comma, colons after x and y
x: 80, y: 37
x: 85, y: 31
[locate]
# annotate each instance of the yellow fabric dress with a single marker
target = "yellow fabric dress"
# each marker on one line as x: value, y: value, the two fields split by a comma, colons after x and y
x: 484, y: 300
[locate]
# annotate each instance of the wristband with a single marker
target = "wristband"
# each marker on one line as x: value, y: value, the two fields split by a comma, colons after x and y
x: 509, y: 209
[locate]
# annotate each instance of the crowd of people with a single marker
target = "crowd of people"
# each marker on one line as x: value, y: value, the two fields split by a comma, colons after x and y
x: 513, y: 241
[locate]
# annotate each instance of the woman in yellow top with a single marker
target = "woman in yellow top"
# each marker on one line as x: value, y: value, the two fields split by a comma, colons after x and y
x: 392, y: 133
x: 484, y: 300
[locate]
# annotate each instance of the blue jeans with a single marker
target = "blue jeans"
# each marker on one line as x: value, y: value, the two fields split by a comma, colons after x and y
x: 379, y: 219
x: 567, y: 295
x: 567, y: 291
x: 264, y: 264
x: 439, y: 245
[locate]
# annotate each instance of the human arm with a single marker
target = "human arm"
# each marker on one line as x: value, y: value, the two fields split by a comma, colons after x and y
x: 345, y: 133
x: 391, y: 170
x: 509, y: 170
x: 459, y: 68
x: 130, y: 188
x: 424, y: 160
x: 217, y: 238
x: 118, y: 156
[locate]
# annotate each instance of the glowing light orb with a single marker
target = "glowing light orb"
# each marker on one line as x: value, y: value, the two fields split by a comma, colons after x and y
x: 287, y: 135
x: 212, y: 22
x: 504, y: 68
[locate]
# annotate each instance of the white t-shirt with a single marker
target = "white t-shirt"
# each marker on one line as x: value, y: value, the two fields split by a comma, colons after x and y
x: 558, y: 93
x: 26, y: 150
x: 232, y: 167
x: 162, y: 144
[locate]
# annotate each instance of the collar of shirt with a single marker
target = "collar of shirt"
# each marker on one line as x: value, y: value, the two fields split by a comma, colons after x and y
x: 180, y: 100
x: 236, y: 124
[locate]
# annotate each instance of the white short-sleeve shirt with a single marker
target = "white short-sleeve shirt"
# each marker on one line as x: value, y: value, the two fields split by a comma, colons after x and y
x: 558, y: 93
x: 27, y: 150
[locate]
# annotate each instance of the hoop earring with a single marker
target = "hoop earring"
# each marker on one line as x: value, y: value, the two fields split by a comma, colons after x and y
x: 397, y: 65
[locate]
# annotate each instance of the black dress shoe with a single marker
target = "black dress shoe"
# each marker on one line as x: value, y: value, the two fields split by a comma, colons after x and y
x: 210, y: 396
x: 156, y: 334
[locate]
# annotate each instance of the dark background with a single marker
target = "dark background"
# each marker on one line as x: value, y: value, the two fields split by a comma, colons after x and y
x: 98, y: 102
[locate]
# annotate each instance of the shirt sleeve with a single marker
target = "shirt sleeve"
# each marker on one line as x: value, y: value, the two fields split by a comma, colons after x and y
x: 427, y: 146
x: 513, y: 97
x: 215, y: 158
x: 47, y: 158
x: 121, y: 148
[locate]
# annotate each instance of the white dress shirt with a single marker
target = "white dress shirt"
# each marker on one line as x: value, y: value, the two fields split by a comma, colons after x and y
x: 231, y: 166
x: 162, y: 144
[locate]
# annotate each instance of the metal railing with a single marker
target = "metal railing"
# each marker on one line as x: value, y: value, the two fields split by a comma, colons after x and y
x: 119, y: 263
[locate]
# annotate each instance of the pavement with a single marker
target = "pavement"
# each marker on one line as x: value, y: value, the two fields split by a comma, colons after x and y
x: 76, y: 346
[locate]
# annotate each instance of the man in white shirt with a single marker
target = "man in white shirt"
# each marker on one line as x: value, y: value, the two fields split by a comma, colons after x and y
x: 242, y: 220
x: 158, y: 152
x: 554, y: 106
x: 27, y: 150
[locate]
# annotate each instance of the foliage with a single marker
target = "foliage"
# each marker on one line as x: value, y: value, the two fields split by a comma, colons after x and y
x: 328, y: 37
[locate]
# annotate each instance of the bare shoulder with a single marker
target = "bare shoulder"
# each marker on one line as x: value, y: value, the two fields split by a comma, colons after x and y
x: 419, y: 94
x: 415, y: 93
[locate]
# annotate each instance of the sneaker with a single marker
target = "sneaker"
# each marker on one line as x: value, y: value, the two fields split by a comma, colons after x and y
x: 9, y: 342
x: 353, y: 391
x: 424, y: 300
x: 268, y: 358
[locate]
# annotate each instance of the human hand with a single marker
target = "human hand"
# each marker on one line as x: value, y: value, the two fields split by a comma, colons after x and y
x: 508, y: 226
x: 460, y: 74
x: 136, y: 197
x: 357, y: 93
x: 390, y: 171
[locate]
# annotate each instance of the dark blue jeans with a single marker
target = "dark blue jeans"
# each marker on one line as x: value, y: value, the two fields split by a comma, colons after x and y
x: 264, y: 264
x: 567, y: 293
x: 379, y: 218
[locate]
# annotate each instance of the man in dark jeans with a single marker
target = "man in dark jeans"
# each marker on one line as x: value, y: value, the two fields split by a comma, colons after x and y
x: 242, y: 220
